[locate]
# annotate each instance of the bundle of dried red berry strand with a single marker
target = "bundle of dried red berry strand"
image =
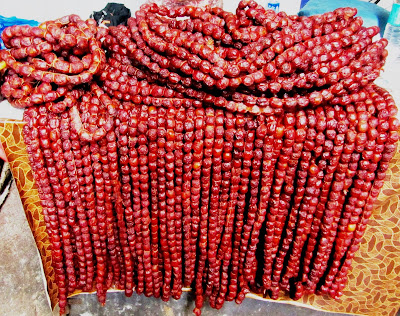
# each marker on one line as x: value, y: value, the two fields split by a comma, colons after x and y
x: 200, y: 148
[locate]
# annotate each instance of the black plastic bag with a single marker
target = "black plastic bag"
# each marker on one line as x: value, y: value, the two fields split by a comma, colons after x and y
x: 113, y: 14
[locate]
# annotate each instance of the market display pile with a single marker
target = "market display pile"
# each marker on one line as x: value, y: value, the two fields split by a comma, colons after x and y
x: 199, y: 148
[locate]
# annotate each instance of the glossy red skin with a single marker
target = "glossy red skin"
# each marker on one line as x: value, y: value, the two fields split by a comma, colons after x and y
x: 99, y: 217
x: 161, y: 171
x: 152, y: 138
x: 241, y: 204
x: 122, y: 134
x: 216, y: 183
x: 226, y: 168
x: 170, y: 192
x: 186, y: 194
x: 178, y: 159
x: 113, y: 243
x: 225, y: 250
x: 329, y: 223
x: 350, y: 216
x: 77, y: 207
x: 285, y: 198
x: 251, y: 215
x: 335, y: 117
x: 204, y: 210
x: 276, y: 214
x: 378, y: 95
x: 52, y: 153
x: 31, y: 136
x: 271, y: 149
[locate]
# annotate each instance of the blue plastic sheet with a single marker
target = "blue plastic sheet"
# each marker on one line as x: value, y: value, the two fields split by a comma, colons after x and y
x: 371, y: 14
x: 6, y: 22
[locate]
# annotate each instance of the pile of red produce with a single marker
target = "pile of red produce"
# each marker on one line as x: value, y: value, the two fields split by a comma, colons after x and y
x: 199, y: 148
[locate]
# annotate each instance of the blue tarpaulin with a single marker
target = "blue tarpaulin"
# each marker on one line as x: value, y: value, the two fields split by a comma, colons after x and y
x: 372, y: 14
x: 6, y: 22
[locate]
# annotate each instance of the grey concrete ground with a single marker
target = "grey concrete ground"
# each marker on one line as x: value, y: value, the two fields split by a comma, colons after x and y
x: 118, y: 304
x: 22, y: 292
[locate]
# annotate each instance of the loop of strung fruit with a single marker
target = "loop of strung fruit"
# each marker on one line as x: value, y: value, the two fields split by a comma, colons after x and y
x: 199, y: 148
x: 47, y: 61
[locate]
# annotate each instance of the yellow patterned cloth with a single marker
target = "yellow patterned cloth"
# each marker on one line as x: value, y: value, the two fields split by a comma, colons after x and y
x: 14, y: 146
x: 374, y: 283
